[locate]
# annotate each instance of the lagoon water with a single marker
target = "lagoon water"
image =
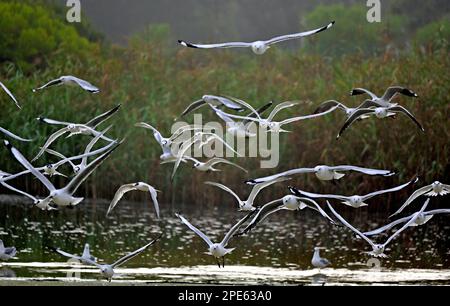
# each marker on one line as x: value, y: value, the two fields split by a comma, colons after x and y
x: 277, y: 252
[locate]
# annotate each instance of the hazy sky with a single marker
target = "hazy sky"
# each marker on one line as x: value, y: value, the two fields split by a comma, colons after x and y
x: 209, y: 20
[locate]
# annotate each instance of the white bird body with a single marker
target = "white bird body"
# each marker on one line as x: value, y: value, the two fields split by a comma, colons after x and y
x: 318, y: 261
x: 6, y: 253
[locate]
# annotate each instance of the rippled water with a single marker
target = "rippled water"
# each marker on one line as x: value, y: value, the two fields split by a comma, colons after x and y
x: 277, y: 252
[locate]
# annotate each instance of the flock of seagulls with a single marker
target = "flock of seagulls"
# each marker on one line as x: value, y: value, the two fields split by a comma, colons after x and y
x: 175, y: 149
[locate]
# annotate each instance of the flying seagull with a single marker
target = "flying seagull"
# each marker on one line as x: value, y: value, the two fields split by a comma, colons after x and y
x: 208, y: 166
x: 258, y: 47
x: 216, y: 101
x: 323, y: 173
x: 89, y: 128
x: 379, y: 112
x: 378, y: 249
x: 272, y: 125
x: 10, y: 94
x: 288, y: 202
x: 248, y: 204
x: 106, y: 269
x: 139, y: 186
x: 385, y: 99
x: 217, y: 250
x: 432, y: 190
x: 64, y: 196
x: 421, y: 220
x: 318, y: 261
x: 70, y: 80
x: 355, y: 201
x: 6, y: 253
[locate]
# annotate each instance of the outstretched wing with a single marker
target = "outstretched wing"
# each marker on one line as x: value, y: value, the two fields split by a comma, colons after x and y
x: 400, y: 187
x: 235, y: 228
x: 135, y: 253
x: 10, y: 94
x: 83, y: 84
x: 391, y: 92
x: 218, y: 160
x: 212, y: 46
x: 119, y: 194
x: 195, y: 230
x: 13, y: 136
x: 358, y: 113
x: 401, y: 109
x: 298, y: 35
x: 412, y: 197
x: 225, y: 188
x: 360, y: 91
x: 367, y: 171
x: 93, y: 123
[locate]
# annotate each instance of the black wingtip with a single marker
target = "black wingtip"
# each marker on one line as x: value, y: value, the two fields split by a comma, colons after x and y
x: 250, y: 182
x: 186, y: 44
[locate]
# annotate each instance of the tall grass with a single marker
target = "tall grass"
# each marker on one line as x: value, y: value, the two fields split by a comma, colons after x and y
x: 154, y: 84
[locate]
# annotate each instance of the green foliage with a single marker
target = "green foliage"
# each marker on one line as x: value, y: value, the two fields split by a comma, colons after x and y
x: 435, y: 35
x: 352, y: 32
x: 31, y: 35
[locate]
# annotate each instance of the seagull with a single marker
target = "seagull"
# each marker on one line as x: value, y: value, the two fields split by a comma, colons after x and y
x: 84, y: 157
x: 70, y: 80
x: 258, y: 47
x: 106, y: 269
x: 379, y: 112
x: 10, y: 95
x: 166, y: 143
x: 216, y: 101
x: 89, y: 128
x: 378, y: 249
x: 218, y: 250
x: 318, y: 261
x: 355, y: 201
x: 323, y: 173
x: 248, y: 204
x: 6, y: 253
x: 39, y: 203
x: 139, y: 186
x: 86, y: 258
x: 432, y: 190
x: 198, y: 139
x: 332, y: 104
x: 421, y: 220
x: 276, y: 126
x: 208, y: 166
x: 13, y: 136
x: 288, y: 202
x: 385, y: 100
x: 64, y: 196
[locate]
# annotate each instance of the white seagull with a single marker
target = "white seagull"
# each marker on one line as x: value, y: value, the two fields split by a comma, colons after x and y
x: 421, y: 220
x: 216, y: 101
x: 258, y: 47
x: 217, y: 250
x: 432, y: 190
x: 10, y: 94
x: 288, y: 202
x: 378, y: 249
x: 276, y: 126
x: 323, y: 173
x: 318, y: 261
x: 70, y: 80
x: 64, y: 196
x: 385, y: 100
x: 379, y: 112
x: 89, y: 128
x: 248, y: 204
x: 354, y: 201
x: 139, y: 186
x: 208, y: 166
x: 106, y: 269
x: 6, y: 253
x: 167, y: 143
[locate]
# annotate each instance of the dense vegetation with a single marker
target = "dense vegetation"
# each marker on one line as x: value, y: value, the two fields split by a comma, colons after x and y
x: 154, y: 80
